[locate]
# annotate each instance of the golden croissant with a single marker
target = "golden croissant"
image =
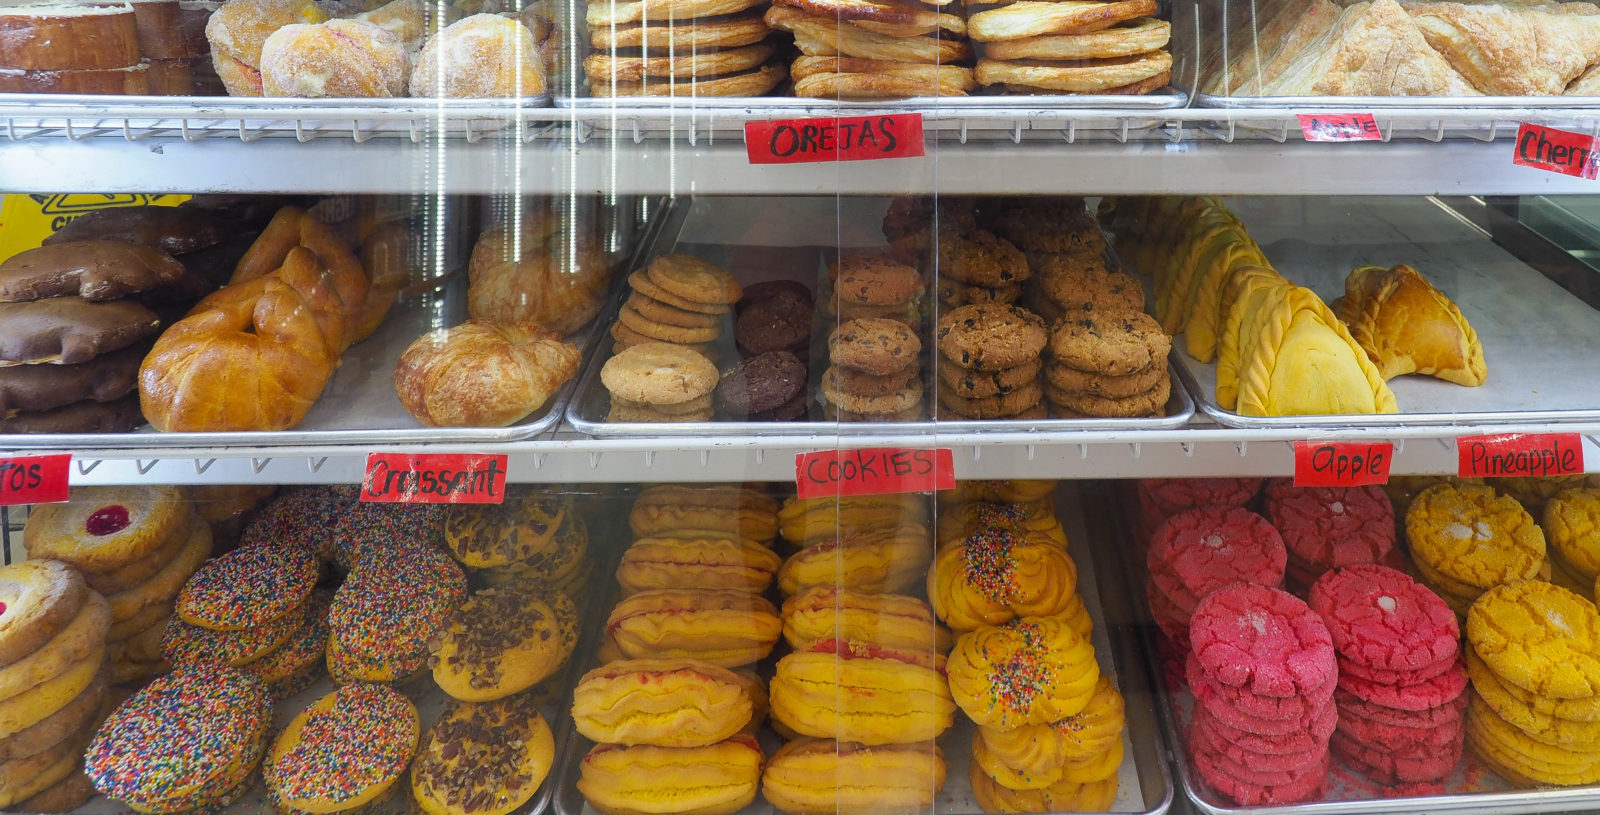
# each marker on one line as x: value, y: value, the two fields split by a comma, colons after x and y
x: 481, y: 374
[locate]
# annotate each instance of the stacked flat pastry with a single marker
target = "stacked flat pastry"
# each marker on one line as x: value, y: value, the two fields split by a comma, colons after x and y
x: 989, y: 362
x: 1114, y: 47
x: 677, y: 299
x: 694, y: 48
x: 139, y: 47
x: 876, y: 48
x: 876, y: 372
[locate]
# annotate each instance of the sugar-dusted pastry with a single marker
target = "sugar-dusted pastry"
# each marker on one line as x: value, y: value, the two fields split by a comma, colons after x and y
x: 1407, y: 326
x: 504, y: 640
x: 238, y: 30
x: 723, y: 627
x: 483, y: 758
x: 811, y: 776
x: 704, y: 563
x: 484, y: 56
x: 890, y: 620
x: 1032, y: 670
x: 665, y: 702
x: 1304, y: 362
x: 857, y: 691
x: 337, y: 59
x: 889, y: 559
x: 999, y: 574
x: 718, y: 779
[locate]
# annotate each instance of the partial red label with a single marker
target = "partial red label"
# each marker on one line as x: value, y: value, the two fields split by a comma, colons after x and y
x: 1516, y: 454
x: 874, y: 472
x: 1339, y: 126
x: 841, y: 138
x: 1341, y: 463
x: 34, y: 479
x: 1559, y: 151
x: 435, y: 478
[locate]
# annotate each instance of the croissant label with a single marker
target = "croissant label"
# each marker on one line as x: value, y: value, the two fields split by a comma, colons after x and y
x: 1339, y: 126
x: 1559, y: 151
x: 1520, y: 454
x: 877, y: 471
x: 835, y: 138
x: 435, y: 478
x: 34, y: 479
x: 1341, y: 463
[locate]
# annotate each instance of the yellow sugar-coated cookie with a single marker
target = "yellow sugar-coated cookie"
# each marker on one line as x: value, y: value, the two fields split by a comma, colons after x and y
x: 716, y: 511
x: 1004, y: 490
x: 169, y: 581
x: 889, y: 560
x: 727, y: 628
x: 718, y: 779
x: 344, y: 750
x: 704, y: 563
x: 822, y: 777
x: 40, y: 597
x: 521, y: 528
x: 1032, y: 670
x: 1534, y: 491
x: 1063, y: 796
x: 997, y: 575
x: 1539, y: 725
x: 37, y: 703
x: 664, y: 702
x: 1474, y: 535
x: 859, y: 692
x: 891, y: 620
x: 1511, y: 753
x: 1039, y: 750
x: 503, y: 641
x: 1037, y: 518
x: 1539, y: 637
x: 804, y: 520
x: 483, y: 758
x: 1572, y: 529
x: 1403, y: 489
x: 84, y: 633
x: 101, y: 529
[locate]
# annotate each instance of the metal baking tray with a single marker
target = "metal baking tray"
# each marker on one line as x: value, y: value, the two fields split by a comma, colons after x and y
x: 1538, y: 339
x: 1144, y: 785
x: 1472, y: 788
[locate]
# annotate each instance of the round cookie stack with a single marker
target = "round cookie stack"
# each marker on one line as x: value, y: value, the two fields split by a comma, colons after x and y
x: 488, y: 758
x: 659, y: 382
x: 343, y: 751
x: 876, y: 374
x: 1330, y: 527
x: 1402, y: 690
x: 677, y: 299
x: 989, y: 363
x: 1066, y: 254
x: 774, y: 316
x: 874, y: 284
x: 1534, y: 663
x: 975, y: 266
x: 535, y: 534
x: 1572, y: 531
x: 1161, y: 498
x: 227, y: 508
x: 768, y: 387
x: 1466, y: 539
x: 1112, y: 47
x: 245, y: 605
x: 876, y: 50
x: 53, y: 676
x: 1263, y: 674
x: 1534, y: 492
x: 1108, y: 364
x: 700, y: 48
x: 136, y: 546
x: 1199, y: 551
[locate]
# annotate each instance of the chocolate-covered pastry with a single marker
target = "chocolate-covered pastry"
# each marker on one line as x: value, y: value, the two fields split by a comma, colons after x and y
x: 93, y: 270
x: 173, y: 229
x: 69, y: 330
x: 117, y: 416
x: 43, y: 387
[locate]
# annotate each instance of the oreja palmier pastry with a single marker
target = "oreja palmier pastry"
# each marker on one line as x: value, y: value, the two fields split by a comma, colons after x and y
x: 1137, y: 36
x: 821, y: 776
x: 484, y: 758
x: 484, y: 56
x: 1038, y: 751
x: 503, y: 641
x: 343, y: 751
x: 889, y: 560
x: 997, y: 575
x: 890, y: 620
x: 1015, y: 21
x: 1032, y: 670
x: 723, y: 627
x: 336, y: 59
x: 802, y: 520
x: 600, y: 65
x: 856, y: 691
x: 1077, y: 76
x: 744, y: 28
x: 706, y: 563
x: 664, y: 702
x: 754, y: 82
x: 717, y: 779
x: 487, y: 535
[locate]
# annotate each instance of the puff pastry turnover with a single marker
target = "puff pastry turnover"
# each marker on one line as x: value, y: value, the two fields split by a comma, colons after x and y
x: 1407, y: 326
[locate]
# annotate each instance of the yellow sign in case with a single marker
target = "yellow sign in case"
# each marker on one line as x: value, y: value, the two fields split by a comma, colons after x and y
x: 26, y: 220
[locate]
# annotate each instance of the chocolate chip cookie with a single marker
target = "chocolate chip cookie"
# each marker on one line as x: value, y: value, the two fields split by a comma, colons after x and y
x: 990, y: 336
x: 1075, y: 281
x: 993, y: 407
x: 954, y: 293
x: 1110, y: 386
x: 1064, y: 227
x: 980, y: 258
x: 971, y: 384
x: 1110, y: 342
x: 865, y: 384
x: 1150, y: 403
x: 874, y: 345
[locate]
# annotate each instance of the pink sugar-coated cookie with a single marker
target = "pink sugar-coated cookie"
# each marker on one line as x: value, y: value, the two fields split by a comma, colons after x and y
x: 1203, y: 740
x: 1160, y: 498
x: 1303, y: 737
x: 1262, y: 639
x: 1398, y: 767
x: 1429, y: 693
x: 1320, y: 719
x: 1381, y: 618
x: 1332, y: 527
x: 1304, y: 788
x: 1297, y: 708
x: 1348, y: 668
x: 1172, y: 621
x: 1397, y: 737
x: 1355, y: 707
x: 1198, y: 551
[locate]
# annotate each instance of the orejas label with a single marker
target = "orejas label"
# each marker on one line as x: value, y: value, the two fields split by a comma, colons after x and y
x: 34, y: 479
x: 843, y: 138
x: 435, y: 478
x: 877, y: 471
x: 1519, y: 454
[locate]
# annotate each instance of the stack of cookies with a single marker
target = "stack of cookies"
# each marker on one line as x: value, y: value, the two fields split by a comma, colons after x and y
x: 989, y: 363
x: 976, y: 266
x: 876, y: 375
x: 772, y: 330
x: 876, y: 49
x: 701, y: 537
x: 677, y: 299
x: 1262, y: 671
x: 774, y: 316
x: 1466, y: 539
x: 1067, y: 255
x: 1110, y: 47
x: 1330, y: 528
x: 1574, y: 550
x: 1162, y: 498
x: 1402, y: 693
x: 1108, y: 364
x: 659, y: 382
x: 1534, y: 664
x: 1197, y: 551
x: 536, y: 534
x: 52, y: 683
x: 699, y: 48
x: 136, y: 546
x: 872, y: 284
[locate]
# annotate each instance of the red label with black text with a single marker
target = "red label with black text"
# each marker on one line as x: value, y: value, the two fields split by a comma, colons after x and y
x: 435, y: 478
x: 1559, y: 151
x: 841, y: 138
x: 1519, y: 454
x: 1341, y: 463
x: 34, y: 479
x: 874, y: 472
x: 1339, y: 126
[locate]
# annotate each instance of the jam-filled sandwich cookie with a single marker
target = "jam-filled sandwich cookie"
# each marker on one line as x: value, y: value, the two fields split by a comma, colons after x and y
x: 717, y: 779
x: 188, y: 740
x: 727, y: 628
x: 1330, y: 527
x: 818, y: 692
x: 503, y: 641
x: 890, y: 560
x: 697, y: 562
x: 821, y: 776
x: 343, y: 751
x: 1467, y: 539
x: 487, y: 535
x: 664, y: 702
x: 806, y: 520
x: 484, y: 758
x: 891, y: 620
x: 102, y: 530
x: 999, y: 574
x: 680, y: 510
x: 249, y: 587
x: 1079, y: 748
x: 1032, y: 670
x: 41, y: 598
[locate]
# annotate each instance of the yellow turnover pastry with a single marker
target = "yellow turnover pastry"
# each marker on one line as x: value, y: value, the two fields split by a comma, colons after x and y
x: 1305, y: 362
x: 1407, y: 326
x: 855, y: 691
x: 822, y: 777
x: 718, y: 779
x: 723, y: 627
x: 483, y: 759
x: 665, y: 702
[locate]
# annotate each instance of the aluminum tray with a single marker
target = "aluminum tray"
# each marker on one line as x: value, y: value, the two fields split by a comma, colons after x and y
x: 1538, y: 339
x: 1144, y: 785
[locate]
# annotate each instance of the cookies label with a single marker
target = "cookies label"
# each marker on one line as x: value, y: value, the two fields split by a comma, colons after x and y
x: 435, y: 478
x: 34, y: 479
x: 1559, y: 151
x: 834, y: 138
x: 1339, y: 127
x: 877, y: 471
x: 1341, y: 463
x: 1519, y: 454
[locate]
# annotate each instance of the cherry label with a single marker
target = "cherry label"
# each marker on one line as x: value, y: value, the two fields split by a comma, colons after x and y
x: 1339, y: 127
x: 876, y: 471
x: 1519, y: 454
x: 34, y: 479
x: 838, y: 138
x: 1341, y: 463
x: 1558, y: 151
x: 435, y: 478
